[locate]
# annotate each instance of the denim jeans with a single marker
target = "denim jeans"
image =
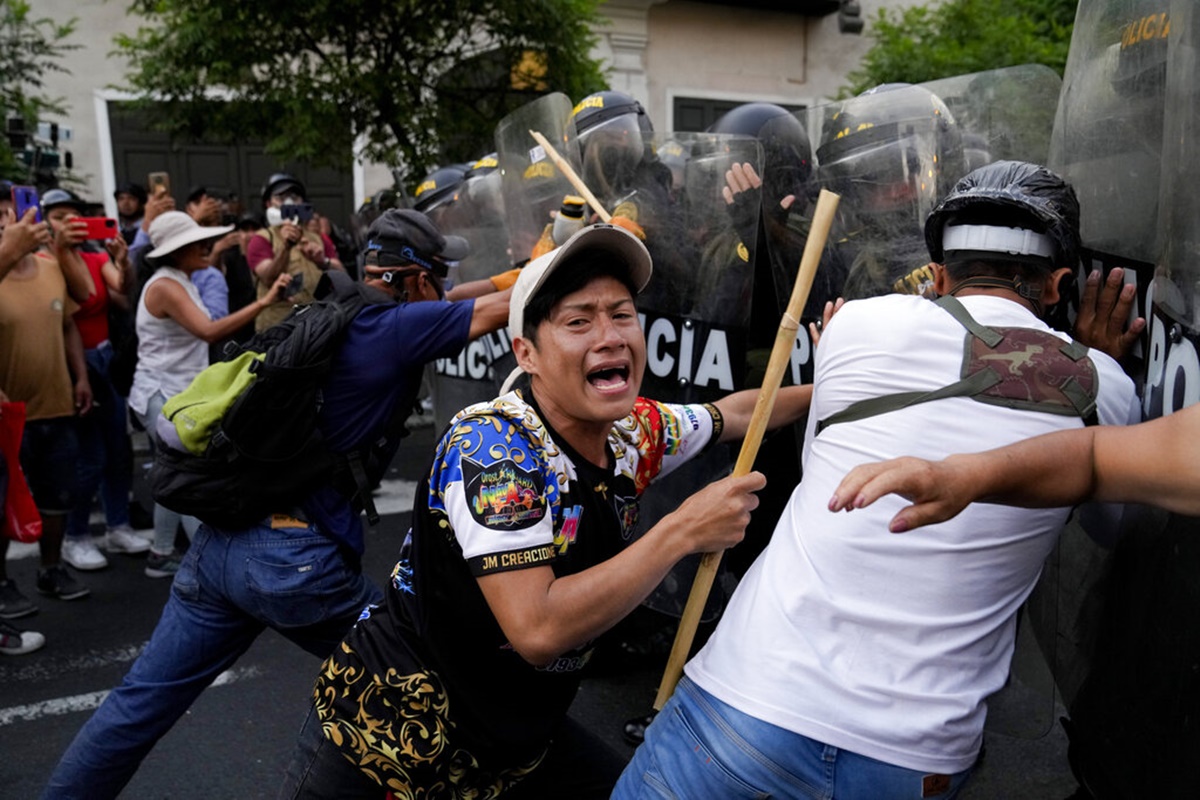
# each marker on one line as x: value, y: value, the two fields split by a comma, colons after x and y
x: 105, y: 458
x: 699, y: 747
x: 230, y: 587
x: 166, y: 521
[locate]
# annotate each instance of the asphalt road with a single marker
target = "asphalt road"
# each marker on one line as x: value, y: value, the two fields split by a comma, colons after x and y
x: 236, y: 740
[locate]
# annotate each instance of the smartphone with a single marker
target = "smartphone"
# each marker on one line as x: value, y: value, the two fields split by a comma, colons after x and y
x: 156, y: 180
x: 25, y: 198
x: 299, y: 213
x: 100, y: 227
x: 295, y: 286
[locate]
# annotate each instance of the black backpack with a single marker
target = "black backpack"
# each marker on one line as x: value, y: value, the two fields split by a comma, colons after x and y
x: 261, y: 451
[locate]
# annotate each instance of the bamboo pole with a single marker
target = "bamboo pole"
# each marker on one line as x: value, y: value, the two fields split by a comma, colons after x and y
x: 565, y: 167
x: 785, y: 339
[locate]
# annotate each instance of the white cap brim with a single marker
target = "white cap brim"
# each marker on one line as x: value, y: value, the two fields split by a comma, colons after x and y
x: 612, y: 240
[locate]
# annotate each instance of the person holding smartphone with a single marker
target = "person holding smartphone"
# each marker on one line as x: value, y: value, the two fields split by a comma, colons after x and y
x: 285, y: 246
x: 42, y: 365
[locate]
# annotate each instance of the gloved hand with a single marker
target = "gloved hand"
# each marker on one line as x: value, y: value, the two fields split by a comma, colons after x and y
x: 545, y: 243
x: 505, y: 279
x: 628, y: 224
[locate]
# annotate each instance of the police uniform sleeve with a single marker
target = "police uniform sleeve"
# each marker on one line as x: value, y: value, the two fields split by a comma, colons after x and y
x: 496, y: 497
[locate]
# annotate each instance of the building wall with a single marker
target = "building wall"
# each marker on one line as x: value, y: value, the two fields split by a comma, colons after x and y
x: 655, y: 50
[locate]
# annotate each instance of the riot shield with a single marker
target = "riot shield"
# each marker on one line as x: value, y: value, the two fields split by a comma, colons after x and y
x: 1004, y: 114
x: 476, y: 213
x: 1133, y: 720
x: 891, y: 153
x: 1107, y: 142
x: 533, y: 187
x: 696, y: 310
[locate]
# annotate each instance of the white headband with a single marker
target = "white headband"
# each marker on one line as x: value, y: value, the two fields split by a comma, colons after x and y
x: 995, y: 239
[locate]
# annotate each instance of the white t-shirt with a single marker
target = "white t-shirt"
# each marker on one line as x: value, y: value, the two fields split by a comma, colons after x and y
x: 882, y: 644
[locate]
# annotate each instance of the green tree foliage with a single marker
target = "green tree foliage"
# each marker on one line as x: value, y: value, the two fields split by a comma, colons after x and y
x: 956, y: 37
x: 416, y: 82
x: 29, y: 49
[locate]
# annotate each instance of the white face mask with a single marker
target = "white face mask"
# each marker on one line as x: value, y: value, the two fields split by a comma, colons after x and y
x: 274, y: 217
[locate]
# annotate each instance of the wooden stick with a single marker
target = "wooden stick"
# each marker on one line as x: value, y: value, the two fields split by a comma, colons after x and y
x: 576, y: 181
x: 785, y: 340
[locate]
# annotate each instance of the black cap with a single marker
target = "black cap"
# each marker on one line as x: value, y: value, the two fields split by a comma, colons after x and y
x: 401, y: 236
x: 196, y: 193
x: 134, y: 189
x: 250, y: 221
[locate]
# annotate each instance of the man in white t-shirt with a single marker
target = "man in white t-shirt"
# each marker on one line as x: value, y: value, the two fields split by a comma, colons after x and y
x: 853, y: 662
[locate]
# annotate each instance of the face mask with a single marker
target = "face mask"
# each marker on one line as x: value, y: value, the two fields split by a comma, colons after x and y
x: 274, y: 217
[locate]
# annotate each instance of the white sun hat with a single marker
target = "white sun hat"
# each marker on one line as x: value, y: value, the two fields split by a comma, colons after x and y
x: 172, y: 230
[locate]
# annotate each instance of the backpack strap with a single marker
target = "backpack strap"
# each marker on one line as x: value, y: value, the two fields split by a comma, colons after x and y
x: 1084, y: 402
x: 974, y: 384
x: 951, y: 305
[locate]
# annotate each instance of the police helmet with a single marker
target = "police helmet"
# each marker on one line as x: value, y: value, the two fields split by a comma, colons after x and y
x: 1023, y: 211
x: 484, y: 166
x: 893, y: 148
x: 438, y: 188
x: 615, y: 136
x: 280, y: 183
x: 787, y: 152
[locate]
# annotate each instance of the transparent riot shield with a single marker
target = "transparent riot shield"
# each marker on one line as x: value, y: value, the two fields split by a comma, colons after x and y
x: 1133, y: 719
x: 696, y: 310
x: 891, y: 153
x: 1107, y: 142
x: 533, y: 187
x: 1004, y: 114
x: 476, y: 213
x: 1108, y: 135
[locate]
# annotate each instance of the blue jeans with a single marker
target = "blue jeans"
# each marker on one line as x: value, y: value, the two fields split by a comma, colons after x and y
x: 105, y: 458
x: 166, y: 521
x: 699, y: 747
x: 230, y: 587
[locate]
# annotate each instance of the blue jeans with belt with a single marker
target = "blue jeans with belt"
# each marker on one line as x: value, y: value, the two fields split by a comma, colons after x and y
x: 699, y: 747
x: 230, y: 587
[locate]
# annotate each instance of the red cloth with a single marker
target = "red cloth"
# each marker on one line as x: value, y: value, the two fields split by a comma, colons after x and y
x: 92, y: 316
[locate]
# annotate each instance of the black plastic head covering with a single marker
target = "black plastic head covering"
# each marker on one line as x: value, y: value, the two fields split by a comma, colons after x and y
x: 280, y: 182
x: 438, y: 188
x: 1005, y: 190
x: 787, y: 152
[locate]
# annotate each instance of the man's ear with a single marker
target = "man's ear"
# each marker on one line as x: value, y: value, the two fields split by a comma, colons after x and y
x: 941, y: 278
x: 526, y: 353
x: 1052, y: 288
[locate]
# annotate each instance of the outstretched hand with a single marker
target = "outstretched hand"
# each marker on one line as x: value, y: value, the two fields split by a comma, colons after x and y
x: 937, y: 490
x: 1103, y: 313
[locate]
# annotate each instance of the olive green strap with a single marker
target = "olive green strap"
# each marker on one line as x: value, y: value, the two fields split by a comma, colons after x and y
x: 979, y: 382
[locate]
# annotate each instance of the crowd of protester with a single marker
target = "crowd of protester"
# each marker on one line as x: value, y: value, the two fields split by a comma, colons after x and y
x: 95, y: 334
